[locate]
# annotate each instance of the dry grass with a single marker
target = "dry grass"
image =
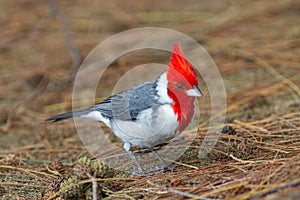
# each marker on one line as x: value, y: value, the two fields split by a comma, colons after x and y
x: 255, y: 45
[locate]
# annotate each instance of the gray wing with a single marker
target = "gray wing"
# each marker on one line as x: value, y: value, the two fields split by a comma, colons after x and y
x: 128, y: 104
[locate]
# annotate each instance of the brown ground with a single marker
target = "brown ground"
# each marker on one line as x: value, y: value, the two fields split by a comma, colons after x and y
x: 256, y: 45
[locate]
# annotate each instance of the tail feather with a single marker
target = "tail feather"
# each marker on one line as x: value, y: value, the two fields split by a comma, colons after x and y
x: 67, y: 115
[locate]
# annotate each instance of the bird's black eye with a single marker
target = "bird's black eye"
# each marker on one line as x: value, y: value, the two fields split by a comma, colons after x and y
x: 179, y: 86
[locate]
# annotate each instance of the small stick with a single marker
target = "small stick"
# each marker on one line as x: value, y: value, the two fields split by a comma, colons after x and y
x: 250, y: 126
x: 178, y: 192
x: 276, y: 189
x: 95, y: 186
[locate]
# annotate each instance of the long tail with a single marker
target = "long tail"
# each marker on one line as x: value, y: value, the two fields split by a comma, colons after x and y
x: 68, y: 115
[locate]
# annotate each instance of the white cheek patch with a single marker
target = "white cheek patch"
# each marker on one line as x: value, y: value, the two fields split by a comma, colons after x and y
x: 162, y: 89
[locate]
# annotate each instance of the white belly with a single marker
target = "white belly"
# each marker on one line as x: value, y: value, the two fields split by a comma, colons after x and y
x: 152, y: 127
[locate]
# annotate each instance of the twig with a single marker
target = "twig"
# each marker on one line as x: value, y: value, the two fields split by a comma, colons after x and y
x: 73, y: 50
x: 182, y: 164
x: 269, y: 146
x: 55, y: 9
x: 240, y: 160
x: 178, y: 192
x: 52, y: 171
x: 276, y: 189
x: 95, y: 185
x: 222, y: 189
x: 26, y: 170
x: 23, y: 185
x: 265, y: 180
x: 250, y: 126
x: 44, y: 161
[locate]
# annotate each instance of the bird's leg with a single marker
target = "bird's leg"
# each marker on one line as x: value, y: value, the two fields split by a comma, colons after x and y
x: 164, y: 164
x: 126, y: 146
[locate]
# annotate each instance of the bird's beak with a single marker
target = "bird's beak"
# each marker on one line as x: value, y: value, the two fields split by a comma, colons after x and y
x: 194, y: 92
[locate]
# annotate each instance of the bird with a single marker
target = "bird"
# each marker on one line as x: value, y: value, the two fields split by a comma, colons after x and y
x: 151, y: 113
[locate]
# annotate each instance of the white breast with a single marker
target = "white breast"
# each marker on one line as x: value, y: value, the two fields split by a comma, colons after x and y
x: 153, y: 126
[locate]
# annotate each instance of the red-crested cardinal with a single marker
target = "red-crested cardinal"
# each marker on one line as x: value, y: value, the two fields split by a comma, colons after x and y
x: 151, y: 113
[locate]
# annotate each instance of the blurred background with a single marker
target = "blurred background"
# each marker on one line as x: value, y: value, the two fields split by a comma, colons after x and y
x: 255, y: 44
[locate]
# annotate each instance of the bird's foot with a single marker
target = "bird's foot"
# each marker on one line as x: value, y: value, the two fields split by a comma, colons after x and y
x: 169, y: 167
x: 144, y: 173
